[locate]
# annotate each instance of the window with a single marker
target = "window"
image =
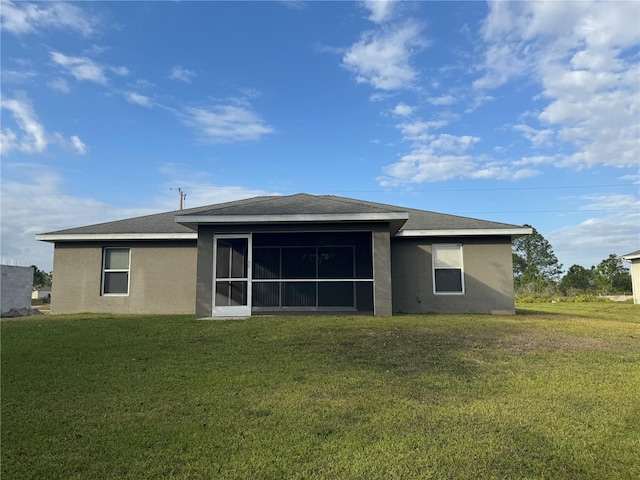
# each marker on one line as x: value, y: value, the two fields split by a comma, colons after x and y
x: 115, y: 272
x: 448, y: 276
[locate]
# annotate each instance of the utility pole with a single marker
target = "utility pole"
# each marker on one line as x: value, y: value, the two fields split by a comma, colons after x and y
x: 181, y: 194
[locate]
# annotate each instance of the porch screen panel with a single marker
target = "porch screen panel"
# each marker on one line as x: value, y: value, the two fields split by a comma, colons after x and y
x: 266, y: 294
x: 266, y: 263
x: 313, y: 271
x: 336, y: 294
x: 231, y: 294
x: 299, y: 262
x: 231, y: 258
x: 336, y: 262
x: 298, y: 294
x: 364, y: 296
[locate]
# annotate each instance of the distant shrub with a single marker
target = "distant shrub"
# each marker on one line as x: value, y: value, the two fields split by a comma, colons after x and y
x: 583, y: 298
x: 590, y: 298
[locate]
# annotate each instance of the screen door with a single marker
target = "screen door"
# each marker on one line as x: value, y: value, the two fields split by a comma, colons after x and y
x: 232, y: 275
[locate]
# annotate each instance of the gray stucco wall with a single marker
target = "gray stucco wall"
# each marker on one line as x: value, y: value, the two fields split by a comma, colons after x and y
x: 162, y: 278
x: 15, y: 287
x: 488, y: 277
x: 382, y: 272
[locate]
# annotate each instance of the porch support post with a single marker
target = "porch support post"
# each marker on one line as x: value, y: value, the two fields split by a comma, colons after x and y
x: 382, y: 303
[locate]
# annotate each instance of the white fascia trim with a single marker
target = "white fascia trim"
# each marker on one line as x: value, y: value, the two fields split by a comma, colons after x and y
x: 73, y: 237
x: 292, y: 218
x: 465, y: 232
x: 631, y: 257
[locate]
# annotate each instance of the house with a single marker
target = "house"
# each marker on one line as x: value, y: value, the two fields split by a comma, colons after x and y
x: 634, y: 258
x: 286, y: 254
x: 40, y: 292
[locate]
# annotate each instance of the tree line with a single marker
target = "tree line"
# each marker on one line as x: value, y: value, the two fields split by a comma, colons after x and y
x: 41, y: 278
x: 537, y: 271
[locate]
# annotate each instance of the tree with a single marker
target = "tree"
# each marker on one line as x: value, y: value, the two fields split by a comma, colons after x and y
x: 577, y: 278
x: 40, y: 277
x: 535, y: 266
x: 611, y: 276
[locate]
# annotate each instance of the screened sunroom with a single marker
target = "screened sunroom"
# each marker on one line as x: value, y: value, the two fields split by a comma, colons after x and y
x: 293, y: 272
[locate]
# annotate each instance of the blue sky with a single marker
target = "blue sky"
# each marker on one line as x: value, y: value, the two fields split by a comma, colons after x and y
x: 519, y: 112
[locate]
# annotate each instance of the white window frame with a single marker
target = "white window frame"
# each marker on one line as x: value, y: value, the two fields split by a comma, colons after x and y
x: 115, y: 270
x: 434, y: 249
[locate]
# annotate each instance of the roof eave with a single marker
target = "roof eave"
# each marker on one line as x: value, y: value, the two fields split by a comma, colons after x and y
x: 514, y: 233
x: 93, y: 237
x: 395, y: 219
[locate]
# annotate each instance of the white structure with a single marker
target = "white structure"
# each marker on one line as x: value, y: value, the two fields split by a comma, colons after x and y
x: 634, y: 258
x: 39, y: 293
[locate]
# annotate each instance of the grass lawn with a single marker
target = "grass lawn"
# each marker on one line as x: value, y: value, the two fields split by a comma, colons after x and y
x: 553, y: 392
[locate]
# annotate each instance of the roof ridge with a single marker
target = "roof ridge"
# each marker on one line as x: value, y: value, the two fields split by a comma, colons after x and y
x: 355, y: 201
x: 241, y: 201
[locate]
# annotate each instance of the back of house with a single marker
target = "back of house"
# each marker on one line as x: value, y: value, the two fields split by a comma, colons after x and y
x: 302, y: 254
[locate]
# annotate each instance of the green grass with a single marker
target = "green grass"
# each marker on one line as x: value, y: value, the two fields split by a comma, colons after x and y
x: 550, y: 393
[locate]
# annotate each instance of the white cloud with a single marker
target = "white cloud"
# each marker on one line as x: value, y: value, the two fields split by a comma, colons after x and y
x: 538, y: 138
x: 23, y: 18
x: 402, y: 110
x: 59, y: 84
x: 73, y: 144
x: 78, y: 145
x: 295, y: 4
x: 142, y: 83
x: 453, y: 143
x: 442, y: 100
x: 382, y: 58
x: 614, y: 230
x: 443, y: 156
x: 578, y: 52
x: 419, y: 130
x: 427, y: 164
x: 138, y: 99
x: 86, y: 69
x: 33, y: 138
x: 121, y: 71
x: 181, y: 74
x: 82, y: 68
x: 17, y: 76
x: 379, y: 10
x: 226, y: 123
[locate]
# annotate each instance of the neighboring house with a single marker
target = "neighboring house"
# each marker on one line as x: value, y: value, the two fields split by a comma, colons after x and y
x: 286, y: 254
x: 634, y: 258
x: 40, y: 292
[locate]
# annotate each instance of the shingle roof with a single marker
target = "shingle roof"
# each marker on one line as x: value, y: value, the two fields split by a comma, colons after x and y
x: 299, y: 204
